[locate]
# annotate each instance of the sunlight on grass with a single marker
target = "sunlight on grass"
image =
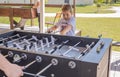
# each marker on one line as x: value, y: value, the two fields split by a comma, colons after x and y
x: 82, y: 9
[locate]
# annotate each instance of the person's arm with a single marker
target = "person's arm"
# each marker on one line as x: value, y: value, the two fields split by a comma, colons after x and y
x: 11, y: 70
x: 52, y: 29
x: 66, y: 29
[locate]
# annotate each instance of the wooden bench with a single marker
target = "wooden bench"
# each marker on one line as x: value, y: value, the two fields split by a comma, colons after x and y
x: 21, y: 11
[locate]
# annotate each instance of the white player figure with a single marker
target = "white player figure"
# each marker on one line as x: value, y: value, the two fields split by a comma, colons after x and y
x: 53, y: 40
x: 47, y: 42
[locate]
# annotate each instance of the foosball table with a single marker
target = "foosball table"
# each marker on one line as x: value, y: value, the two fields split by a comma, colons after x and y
x: 49, y: 55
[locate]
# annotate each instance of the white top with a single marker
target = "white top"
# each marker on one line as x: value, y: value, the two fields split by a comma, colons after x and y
x: 62, y: 23
x: 38, y: 8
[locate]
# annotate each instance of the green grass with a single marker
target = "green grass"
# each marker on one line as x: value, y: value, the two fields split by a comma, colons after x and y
x: 82, y: 9
x: 6, y: 20
x: 108, y: 27
x: 115, y: 4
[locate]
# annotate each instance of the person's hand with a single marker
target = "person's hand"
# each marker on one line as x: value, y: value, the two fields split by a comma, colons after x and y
x: 13, y: 70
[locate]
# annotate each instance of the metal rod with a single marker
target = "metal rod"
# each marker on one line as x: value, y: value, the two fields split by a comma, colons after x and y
x: 27, y: 41
x: 48, y: 66
x: 18, y: 39
x: 29, y: 64
x: 11, y: 37
x: 15, y: 40
x: 33, y: 37
x: 85, y: 51
x: 15, y: 36
x: 34, y: 75
x: 71, y: 48
x: 53, y: 62
x: 6, y: 56
x: 74, y: 48
x: 58, y: 47
x: 29, y: 74
x: 38, y: 59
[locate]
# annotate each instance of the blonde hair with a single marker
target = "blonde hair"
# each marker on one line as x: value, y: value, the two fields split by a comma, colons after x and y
x: 67, y: 7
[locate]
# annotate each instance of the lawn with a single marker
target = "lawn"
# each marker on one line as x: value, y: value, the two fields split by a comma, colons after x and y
x: 115, y: 4
x: 6, y: 20
x: 82, y: 9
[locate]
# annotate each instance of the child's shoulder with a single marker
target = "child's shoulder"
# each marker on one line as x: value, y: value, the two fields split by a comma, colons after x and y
x: 72, y: 18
